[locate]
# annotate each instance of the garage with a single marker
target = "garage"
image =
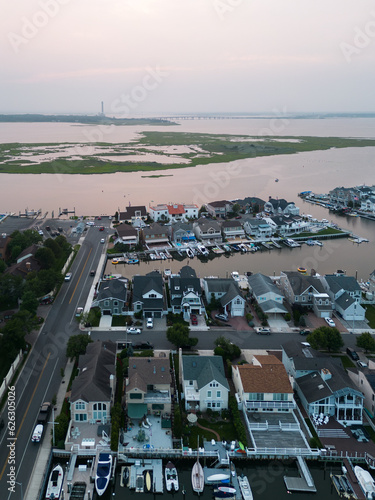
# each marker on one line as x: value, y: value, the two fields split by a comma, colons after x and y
x: 106, y: 312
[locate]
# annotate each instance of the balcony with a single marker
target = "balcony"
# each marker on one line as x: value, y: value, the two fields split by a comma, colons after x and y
x: 280, y: 405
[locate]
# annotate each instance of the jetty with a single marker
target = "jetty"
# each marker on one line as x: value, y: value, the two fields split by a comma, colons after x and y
x: 304, y: 483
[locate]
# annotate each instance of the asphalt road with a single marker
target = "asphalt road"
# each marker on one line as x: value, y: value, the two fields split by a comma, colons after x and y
x: 41, y: 375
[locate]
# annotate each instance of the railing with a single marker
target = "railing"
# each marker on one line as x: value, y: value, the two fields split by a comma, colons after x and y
x: 270, y: 404
x: 260, y: 426
x: 289, y: 427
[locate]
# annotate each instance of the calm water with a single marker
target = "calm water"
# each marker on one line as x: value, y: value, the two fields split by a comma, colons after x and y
x: 317, y: 171
x: 266, y: 479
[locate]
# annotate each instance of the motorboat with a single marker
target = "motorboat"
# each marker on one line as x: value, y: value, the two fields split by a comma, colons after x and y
x: 171, y: 477
x: 132, y: 261
x: 125, y: 473
x: 235, y: 275
x: 244, y: 484
x: 103, y: 473
x: 217, y: 478
x: 366, y: 482
x: 55, y: 482
x: 203, y: 250
x: 189, y: 253
x: 229, y: 490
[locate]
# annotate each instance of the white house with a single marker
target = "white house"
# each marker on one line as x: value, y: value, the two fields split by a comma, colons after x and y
x: 346, y: 295
x: 280, y: 207
x: 227, y: 292
x: 203, y: 381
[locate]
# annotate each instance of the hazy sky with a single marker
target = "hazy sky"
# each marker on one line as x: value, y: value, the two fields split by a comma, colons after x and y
x: 163, y: 56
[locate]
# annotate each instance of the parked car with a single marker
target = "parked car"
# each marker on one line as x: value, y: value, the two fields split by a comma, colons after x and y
x: 143, y: 345
x: 133, y: 331
x: 102, y: 240
x: 150, y: 323
x: 79, y: 311
x: 361, y: 364
x: 194, y: 319
x: 263, y: 331
x: 352, y: 353
x: 330, y: 322
x: 68, y: 276
x: 304, y: 332
x: 221, y: 317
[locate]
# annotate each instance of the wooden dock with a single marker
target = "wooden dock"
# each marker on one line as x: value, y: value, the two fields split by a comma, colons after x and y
x: 304, y: 483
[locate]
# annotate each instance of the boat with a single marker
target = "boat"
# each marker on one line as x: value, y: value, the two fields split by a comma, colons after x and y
x: 337, y: 484
x: 244, y: 484
x: 189, y: 253
x: 276, y: 180
x: 132, y: 261
x: 139, y: 483
x: 319, y: 243
x: 366, y: 482
x: 55, y: 482
x: 229, y: 490
x: 171, y: 477
x: 103, y: 473
x: 197, y: 475
x: 232, y: 469
x: 223, y: 494
x: 147, y: 480
x: 167, y: 273
x: 203, y: 250
x: 217, y: 478
x: 302, y: 270
x: 124, y: 481
x: 163, y: 256
x: 235, y: 275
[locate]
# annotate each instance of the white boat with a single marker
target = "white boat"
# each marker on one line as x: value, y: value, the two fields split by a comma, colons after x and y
x: 171, y: 477
x: 227, y: 489
x: 203, y: 250
x: 103, y: 473
x: 189, y: 253
x: 235, y: 275
x: 366, y: 482
x: 55, y: 483
x: 217, y: 478
x: 244, y: 484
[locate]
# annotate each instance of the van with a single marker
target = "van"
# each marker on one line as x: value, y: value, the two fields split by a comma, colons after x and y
x: 351, y: 352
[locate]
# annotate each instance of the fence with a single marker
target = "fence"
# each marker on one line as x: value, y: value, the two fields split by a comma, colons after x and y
x: 16, y: 363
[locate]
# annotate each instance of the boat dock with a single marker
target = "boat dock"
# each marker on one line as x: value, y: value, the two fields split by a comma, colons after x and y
x: 229, y: 478
x: 304, y: 483
x: 139, y: 468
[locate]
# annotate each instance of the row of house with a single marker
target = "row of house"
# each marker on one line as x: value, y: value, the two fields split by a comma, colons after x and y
x: 266, y: 383
x: 359, y: 196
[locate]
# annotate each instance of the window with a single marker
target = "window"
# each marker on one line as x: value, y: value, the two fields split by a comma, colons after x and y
x: 191, y: 382
x: 99, y: 411
x: 115, y: 303
x: 80, y: 405
x: 218, y: 405
x: 81, y: 417
x: 208, y: 405
x: 209, y: 394
x: 280, y: 397
x: 218, y: 394
x: 256, y: 396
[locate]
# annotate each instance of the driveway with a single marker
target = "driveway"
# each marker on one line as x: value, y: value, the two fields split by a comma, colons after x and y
x: 105, y: 321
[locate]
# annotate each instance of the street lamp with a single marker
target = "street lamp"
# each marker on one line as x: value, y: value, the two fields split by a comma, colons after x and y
x: 21, y: 489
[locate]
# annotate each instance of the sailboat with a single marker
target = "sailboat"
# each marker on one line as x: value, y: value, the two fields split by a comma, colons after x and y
x: 197, y: 475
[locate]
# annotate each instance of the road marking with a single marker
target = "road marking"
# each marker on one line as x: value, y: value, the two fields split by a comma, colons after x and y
x: 26, y: 412
x: 80, y: 276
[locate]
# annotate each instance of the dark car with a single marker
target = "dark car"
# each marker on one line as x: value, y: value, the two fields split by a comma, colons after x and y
x: 304, y: 332
x: 143, y: 345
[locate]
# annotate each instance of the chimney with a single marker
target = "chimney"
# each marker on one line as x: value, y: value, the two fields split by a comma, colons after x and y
x: 325, y: 374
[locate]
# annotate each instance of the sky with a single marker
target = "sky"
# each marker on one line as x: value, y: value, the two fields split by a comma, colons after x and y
x: 161, y: 57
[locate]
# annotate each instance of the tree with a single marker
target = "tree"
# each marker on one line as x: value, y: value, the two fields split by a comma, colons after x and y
x: 366, y: 341
x: 178, y: 335
x: 45, y: 257
x: 326, y: 338
x: 77, y: 345
x: 226, y: 349
x: 236, y: 208
x: 29, y: 302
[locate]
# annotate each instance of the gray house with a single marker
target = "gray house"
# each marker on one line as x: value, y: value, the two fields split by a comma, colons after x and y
x: 182, y: 233
x: 280, y: 207
x: 93, y: 389
x: 148, y: 295
x: 226, y: 290
x: 203, y: 381
x: 207, y: 230
x: 186, y: 293
x: 266, y: 293
x: 112, y: 297
x: 346, y: 295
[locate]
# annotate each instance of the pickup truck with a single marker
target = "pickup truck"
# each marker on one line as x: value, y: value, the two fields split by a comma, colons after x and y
x: 44, y: 412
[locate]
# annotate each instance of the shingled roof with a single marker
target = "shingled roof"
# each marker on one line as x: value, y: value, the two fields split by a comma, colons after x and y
x: 204, y: 369
x: 269, y: 376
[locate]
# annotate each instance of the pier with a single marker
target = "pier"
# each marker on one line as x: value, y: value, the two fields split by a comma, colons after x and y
x: 304, y: 483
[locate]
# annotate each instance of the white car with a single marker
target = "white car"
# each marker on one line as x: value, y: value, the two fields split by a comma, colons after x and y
x: 133, y: 331
x: 68, y: 276
x: 102, y: 240
x: 150, y: 323
x: 330, y: 322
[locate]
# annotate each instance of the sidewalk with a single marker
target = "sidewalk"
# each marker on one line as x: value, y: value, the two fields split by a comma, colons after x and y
x: 39, y: 470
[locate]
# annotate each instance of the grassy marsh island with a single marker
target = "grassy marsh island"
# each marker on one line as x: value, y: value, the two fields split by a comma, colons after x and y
x: 157, y: 151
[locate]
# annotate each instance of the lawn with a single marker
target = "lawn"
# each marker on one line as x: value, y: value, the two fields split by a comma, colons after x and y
x: 224, y: 428
x: 347, y: 363
x: 370, y: 315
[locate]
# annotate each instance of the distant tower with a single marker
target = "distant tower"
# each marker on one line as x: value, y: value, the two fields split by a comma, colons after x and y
x: 102, y: 113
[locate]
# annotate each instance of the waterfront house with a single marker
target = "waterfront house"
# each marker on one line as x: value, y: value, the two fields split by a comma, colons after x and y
x: 207, y: 230
x: 263, y: 385
x: 148, y: 388
x: 251, y: 204
x: 232, y: 229
x: 182, y: 233
x: 155, y: 236
x: 148, y: 295
x: 280, y: 207
x: 93, y: 389
x: 173, y: 212
x: 133, y: 215
x: 322, y: 384
x: 203, y: 382
x: 186, y: 293
x: 307, y: 291
x: 256, y: 228
x: 364, y: 380
x: 368, y: 205
x: 341, y: 196
x: 267, y: 294
x: 159, y: 213
x: 371, y: 281
x: 219, y: 209
x: 112, y: 297
x: 127, y: 235
x: 227, y: 292
x: 346, y: 295
x: 285, y: 225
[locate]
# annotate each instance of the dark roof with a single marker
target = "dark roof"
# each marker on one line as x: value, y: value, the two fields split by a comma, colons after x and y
x: 232, y: 293
x: 112, y: 289
x: 231, y: 223
x: 144, y: 284
x: 185, y: 280
x: 148, y: 371
x: 347, y: 283
x: 217, y: 285
x: 345, y: 300
x: 300, y: 283
x: 279, y: 203
x: 96, y: 368
x: 155, y: 228
x: 204, y: 369
x: 261, y: 284
x: 126, y: 230
x: 205, y: 224
x: 219, y: 204
x: 249, y: 200
x: 130, y: 212
x: 271, y: 306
